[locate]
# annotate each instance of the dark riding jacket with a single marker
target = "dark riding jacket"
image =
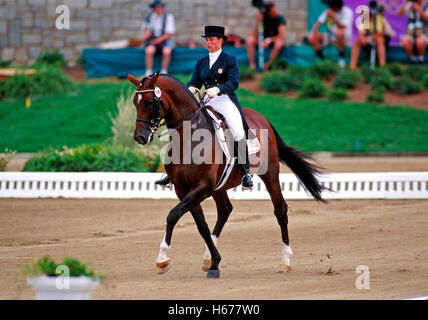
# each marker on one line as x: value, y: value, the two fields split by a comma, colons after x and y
x: 224, y: 74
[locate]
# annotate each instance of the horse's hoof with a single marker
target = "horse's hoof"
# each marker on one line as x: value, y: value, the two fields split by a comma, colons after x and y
x: 213, y: 274
x: 162, y: 267
x: 285, y: 267
x: 206, y: 264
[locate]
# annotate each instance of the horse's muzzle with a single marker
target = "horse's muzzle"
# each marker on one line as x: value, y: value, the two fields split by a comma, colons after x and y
x: 141, y: 139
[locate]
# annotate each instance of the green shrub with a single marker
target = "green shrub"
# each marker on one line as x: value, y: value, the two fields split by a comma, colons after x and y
x: 312, y: 88
x: 19, y: 86
x: 51, y: 80
x: 347, y: 79
x: 367, y: 73
x: 337, y: 94
x: 281, y: 82
x: 5, y: 158
x: 278, y: 64
x: 272, y: 82
x: 405, y: 85
x: 381, y: 78
x: 93, y: 158
x: 47, y: 266
x: 47, y: 80
x: 53, y: 58
x: 376, y: 96
x: 5, y: 63
x: 324, y: 68
x: 416, y: 72
x: 293, y: 81
x: 394, y: 68
x: 3, y: 92
x: 425, y: 81
x: 247, y: 73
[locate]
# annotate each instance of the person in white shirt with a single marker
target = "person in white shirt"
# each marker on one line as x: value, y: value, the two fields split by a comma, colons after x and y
x: 339, y: 19
x: 157, y: 29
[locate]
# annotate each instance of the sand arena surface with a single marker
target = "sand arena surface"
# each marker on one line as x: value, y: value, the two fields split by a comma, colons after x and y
x: 121, y: 238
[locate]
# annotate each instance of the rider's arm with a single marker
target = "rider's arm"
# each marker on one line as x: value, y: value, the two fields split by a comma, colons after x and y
x: 232, y: 82
x: 196, y: 81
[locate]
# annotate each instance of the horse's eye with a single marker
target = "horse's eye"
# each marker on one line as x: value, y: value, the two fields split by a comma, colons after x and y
x: 147, y: 103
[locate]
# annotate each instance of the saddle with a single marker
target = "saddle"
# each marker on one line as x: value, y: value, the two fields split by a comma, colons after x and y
x: 219, y: 127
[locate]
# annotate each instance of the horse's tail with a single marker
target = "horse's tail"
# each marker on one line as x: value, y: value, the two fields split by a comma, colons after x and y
x: 298, y: 162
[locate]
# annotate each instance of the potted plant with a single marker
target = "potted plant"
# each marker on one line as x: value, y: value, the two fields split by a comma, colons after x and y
x: 69, y: 280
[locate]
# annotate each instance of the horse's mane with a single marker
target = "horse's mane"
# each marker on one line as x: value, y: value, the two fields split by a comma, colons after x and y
x: 204, y: 112
x: 182, y: 85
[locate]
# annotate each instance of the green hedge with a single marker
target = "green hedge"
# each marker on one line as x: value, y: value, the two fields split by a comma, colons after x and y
x: 94, y: 157
x: 46, y: 80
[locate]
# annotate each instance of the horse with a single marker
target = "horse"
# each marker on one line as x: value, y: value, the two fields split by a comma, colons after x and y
x: 163, y: 97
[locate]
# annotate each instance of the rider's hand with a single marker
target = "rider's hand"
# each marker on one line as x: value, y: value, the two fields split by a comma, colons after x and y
x: 193, y: 90
x: 212, y: 92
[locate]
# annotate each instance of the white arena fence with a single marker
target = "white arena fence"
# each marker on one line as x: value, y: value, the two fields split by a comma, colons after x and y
x: 112, y: 185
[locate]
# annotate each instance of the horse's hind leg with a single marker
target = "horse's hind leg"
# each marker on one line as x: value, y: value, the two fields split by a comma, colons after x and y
x: 224, y: 208
x: 204, y: 230
x: 280, y: 209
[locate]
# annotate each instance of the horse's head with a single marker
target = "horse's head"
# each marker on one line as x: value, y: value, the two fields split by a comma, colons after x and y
x: 149, y: 106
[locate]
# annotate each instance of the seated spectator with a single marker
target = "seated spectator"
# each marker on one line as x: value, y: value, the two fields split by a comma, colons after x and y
x: 157, y: 29
x: 339, y: 19
x: 368, y: 34
x: 416, y: 39
x: 274, y: 27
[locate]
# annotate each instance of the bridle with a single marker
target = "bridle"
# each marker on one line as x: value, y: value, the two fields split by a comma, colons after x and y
x: 154, y: 123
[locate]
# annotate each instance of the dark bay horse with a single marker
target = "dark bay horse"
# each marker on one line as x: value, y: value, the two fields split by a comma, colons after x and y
x: 162, y: 97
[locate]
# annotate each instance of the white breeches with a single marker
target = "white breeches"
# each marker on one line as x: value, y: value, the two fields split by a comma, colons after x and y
x: 231, y: 114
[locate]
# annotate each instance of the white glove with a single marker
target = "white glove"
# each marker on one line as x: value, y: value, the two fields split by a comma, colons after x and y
x: 212, y: 92
x: 193, y: 90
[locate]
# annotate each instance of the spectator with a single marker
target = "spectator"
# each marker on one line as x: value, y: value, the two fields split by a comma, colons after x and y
x: 368, y: 33
x: 339, y: 19
x: 415, y: 41
x: 274, y: 27
x: 157, y: 29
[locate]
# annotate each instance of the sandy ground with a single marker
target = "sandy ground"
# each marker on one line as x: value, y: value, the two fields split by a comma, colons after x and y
x: 121, y: 238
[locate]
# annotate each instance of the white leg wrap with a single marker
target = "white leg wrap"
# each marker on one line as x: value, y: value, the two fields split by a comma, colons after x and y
x: 207, y: 254
x: 286, y: 254
x: 163, y: 252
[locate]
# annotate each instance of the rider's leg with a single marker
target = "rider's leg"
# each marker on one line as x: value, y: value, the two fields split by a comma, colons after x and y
x: 234, y: 122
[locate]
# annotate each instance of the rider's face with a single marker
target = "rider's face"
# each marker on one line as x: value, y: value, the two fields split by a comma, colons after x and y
x: 213, y: 43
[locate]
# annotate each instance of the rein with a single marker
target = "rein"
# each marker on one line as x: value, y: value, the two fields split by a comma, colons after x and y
x: 154, y: 123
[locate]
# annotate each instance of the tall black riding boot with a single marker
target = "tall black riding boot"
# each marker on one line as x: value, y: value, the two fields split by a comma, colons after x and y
x: 243, y: 162
x: 164, y: 181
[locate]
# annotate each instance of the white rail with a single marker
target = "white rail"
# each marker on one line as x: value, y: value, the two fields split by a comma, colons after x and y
x: 385, y: 185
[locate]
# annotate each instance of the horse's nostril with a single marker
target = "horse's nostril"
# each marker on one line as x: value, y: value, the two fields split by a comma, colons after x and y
x: 141, y: 140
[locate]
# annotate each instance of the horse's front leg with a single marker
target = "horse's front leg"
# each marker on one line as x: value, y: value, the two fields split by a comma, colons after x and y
x: 224, y: 208
x: 204, y: 230
x: 192, y: 199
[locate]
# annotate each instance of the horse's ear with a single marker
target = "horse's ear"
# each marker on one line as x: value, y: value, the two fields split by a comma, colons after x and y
x: 155, y: 77
x: 134, y: 80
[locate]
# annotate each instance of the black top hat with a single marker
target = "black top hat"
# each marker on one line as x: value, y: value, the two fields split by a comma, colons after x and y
x: 157, y: 3
x: 214, y: 31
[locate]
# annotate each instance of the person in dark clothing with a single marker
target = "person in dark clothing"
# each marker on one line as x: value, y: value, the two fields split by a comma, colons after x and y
x: 274, y: 28
x: 219, y: 73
